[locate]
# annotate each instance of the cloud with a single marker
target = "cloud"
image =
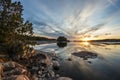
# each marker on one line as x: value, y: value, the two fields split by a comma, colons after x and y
x: 81, y: 18
x: 113, y: 2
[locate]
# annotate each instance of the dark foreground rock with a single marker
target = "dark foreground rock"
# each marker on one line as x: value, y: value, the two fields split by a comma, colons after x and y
x: 40, y: 66
x: 56, y: 65
x: 12, y: 70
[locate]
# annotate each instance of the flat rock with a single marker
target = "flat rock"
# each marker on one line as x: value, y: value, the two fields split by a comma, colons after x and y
x: 64, y: 78
x: 85, y: 55
x: 22, y: 77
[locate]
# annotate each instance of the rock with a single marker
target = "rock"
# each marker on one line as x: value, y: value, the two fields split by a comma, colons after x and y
x: 32, y: 52
x: 35, y: 67
x: 55, y: 55
x: 85, y: 55
x: 9, y: 65
x: 22, y: 77
x: 43, y: 75
x: 69, y: 59
x: 12, y: 64
x: 13, y: 77
x: 52, y: 74
x: 16, y: 71
x: 12, y: 70
x: 64, y: 78
x: 89, y: 62
x: 35, y: 78
x: 43, y: 63
x: 57, y: 75
x: 40, y: 79
x: 40, y: 72
x: 41, y: 58
x: 1, y: 71
x: 39, y: 66
x: 56, y: 65
x: 47, y: 75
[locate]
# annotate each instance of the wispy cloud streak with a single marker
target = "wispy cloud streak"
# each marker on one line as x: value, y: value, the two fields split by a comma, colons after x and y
x: 79, y: 18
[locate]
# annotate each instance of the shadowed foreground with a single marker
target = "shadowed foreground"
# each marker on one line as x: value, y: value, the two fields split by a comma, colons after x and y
x: 40, y: 66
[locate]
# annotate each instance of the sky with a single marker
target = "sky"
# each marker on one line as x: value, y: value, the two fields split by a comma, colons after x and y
x: 74, y: 19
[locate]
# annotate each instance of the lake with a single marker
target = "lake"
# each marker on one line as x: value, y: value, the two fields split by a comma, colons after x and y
x: 102, y: 62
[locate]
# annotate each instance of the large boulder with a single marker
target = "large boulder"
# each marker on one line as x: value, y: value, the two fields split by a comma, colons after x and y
x: 41, y: 58
x: 11, y: 70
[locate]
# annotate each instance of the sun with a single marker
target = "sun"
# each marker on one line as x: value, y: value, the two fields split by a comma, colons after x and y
x: 86, y: 39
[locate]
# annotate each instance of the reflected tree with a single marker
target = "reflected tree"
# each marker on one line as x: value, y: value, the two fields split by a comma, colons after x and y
x: 61, y: 45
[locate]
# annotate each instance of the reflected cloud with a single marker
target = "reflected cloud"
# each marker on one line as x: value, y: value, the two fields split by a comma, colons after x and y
x: 91, y: 60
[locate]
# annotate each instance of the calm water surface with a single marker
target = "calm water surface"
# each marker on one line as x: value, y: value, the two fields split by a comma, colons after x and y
x: 104, y: 66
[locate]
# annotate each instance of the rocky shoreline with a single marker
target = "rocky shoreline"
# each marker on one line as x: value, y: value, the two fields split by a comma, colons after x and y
x: 39, y: 66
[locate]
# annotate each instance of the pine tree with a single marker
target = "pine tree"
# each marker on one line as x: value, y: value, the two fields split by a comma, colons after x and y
x: 12, y: 25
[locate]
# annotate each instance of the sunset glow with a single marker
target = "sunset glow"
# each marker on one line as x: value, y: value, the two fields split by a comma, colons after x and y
x: 86, y: 39
x: 59, y: 39
x: 94, y: 19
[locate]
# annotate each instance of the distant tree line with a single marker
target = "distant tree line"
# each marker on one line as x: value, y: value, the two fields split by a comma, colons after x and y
x: 107, y: 40
x: 38, y: 38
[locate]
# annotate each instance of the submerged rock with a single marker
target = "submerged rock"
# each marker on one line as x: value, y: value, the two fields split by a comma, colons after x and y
x: 69, y: 59
x: 89, y: 62
x: 85, y: 55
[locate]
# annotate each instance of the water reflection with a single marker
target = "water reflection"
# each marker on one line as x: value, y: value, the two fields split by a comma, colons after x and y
x: 105, y: 59
x: 61, y: 45
x: 86, y: 43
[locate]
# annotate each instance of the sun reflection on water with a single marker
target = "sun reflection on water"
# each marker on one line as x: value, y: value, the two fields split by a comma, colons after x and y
x: 86, y: 43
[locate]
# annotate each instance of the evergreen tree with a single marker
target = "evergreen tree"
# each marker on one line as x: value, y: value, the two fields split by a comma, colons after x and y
x: 12, y: 25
